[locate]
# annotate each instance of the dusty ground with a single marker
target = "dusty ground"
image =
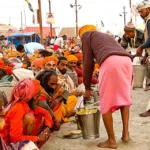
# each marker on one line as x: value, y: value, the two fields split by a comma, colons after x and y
x: 139, y: 130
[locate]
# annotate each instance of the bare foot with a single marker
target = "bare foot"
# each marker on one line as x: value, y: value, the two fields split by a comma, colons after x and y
x: 145, y: 114
x: 108, y: 144
x: 125, y: 138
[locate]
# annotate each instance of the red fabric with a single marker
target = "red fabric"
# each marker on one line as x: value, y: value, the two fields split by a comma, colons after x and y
x: 23, y: 91
x: 13, y: 129
x: 80, y: 74
x: 94, y: 80
x: 45, y: 114
x: 56, y: 47
x: 5, y: 67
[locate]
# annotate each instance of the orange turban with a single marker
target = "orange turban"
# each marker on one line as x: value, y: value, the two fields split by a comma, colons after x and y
x: 38, y: 62
x: 50, y: 58
x: 72, y: 58
x: 79, y: 56
x: 86, y: 28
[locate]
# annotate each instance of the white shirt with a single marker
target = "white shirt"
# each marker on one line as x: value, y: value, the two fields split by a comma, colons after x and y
x: 32, y: 46
x: 59, y: 42
x: 52, y: 41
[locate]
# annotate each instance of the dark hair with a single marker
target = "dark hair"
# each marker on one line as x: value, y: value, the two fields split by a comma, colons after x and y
x: 64, y: 36
x: 61, y: 58
x: 19, y: 48
x: 45, y: 53
x: 44, y: 76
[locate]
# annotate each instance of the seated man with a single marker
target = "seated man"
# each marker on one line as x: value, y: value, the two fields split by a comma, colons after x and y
x: 64, y: 79
x: 58, y: 99
x: 37, y: 65
x: 23, y: 119
x: 72, y: 63
x: 50, y: 63
x: 6, y: 85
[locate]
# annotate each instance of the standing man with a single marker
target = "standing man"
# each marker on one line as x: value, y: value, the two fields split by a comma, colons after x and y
x: 115, y: 79
x: 144, y: 13
x: 143, y: 9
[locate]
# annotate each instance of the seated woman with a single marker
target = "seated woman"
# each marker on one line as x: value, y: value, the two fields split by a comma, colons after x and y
x: 24, y: 119
x: 55, y: 96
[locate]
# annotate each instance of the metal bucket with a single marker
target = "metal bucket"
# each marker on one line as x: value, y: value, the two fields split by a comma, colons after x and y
x: 89, y: 124
x: 139, y: 74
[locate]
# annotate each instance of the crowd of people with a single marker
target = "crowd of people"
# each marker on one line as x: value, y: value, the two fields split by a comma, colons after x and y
x: 39, y: 91
x: 39, y: 88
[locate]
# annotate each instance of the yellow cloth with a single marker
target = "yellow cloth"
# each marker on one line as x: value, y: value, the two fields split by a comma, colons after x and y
x: 86, y: 28
x: 61, y: 111
x: 69, y: 107
x: 66, y: 53
x: 72, y: 58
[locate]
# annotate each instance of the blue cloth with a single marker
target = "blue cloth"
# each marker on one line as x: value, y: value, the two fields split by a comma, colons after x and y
x: 147, y: 43
x: 31, y: 47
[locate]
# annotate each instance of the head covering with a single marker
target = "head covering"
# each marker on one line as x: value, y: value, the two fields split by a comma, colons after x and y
x: 22, y: 74
x: 79, y: 56
x: 23, y: 91
x: 50, y: 58
x: 39, y: 62
x: 8, y: 68
x: 72, y: 58
x: 16, y: 62
x: 129, y: 27
x: 86, y: 28
x: 142, y: 5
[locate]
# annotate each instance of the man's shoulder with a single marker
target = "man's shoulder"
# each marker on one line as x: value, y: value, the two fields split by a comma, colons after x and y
x: 140, y: 33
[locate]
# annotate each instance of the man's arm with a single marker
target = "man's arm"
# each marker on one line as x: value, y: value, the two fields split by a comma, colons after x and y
x: 88, y: 62
x: 147, y: 43
x: 124, y: 42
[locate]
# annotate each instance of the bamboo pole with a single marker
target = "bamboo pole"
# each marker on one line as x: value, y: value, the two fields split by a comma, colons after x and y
x: 40, y: 21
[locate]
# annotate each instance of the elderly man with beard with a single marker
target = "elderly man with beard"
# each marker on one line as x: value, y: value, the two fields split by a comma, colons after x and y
x: 56, y: 98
